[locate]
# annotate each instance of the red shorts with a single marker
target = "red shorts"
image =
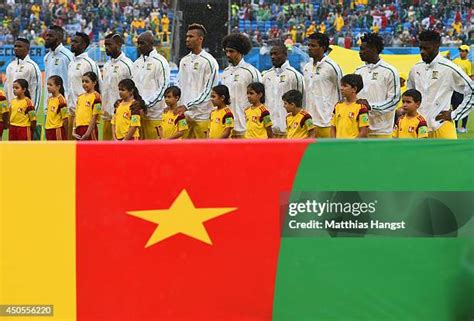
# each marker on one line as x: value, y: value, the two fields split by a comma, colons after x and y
x: 1, y: 130
x: 56, y: 133
x: 19, y: 133
x: 81, y: 130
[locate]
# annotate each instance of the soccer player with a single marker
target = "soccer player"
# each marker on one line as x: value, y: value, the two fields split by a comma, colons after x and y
x: 457, y: 98
x: 3, y: 112
x: 89, y: 109
x: 437, y: 78
x: 322, y: 77
x: 23, y: 67
x: 222, y: 119
x: 56, y: 118
x: 174, y: 124
x: 198, y: 73
x: 298, y: 122
x: 22, y: 112
x: 350, y: 118
x: 119, y: 67
x: 80, y: 65
x: 57, y: 60
x: 259, y: 123
x: 151, y: 74
x: 278, y: 80
x: 237, y: 77
x: 126, y: 120
x: 381, y: 92
x: 411, y: 124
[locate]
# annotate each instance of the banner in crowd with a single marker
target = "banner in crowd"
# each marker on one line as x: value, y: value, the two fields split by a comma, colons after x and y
x: 199, y: 231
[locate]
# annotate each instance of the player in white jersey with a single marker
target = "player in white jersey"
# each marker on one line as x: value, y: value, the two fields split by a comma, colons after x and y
x: 198, y: 73
x: 322, y: 78
x: 381, y: 92
x: 119, y: 67
x: 278, y: 80
x: 23, y: 67
x: 56, y: 61
x: 81, y: 64
x: 237, y: 76
x: 437, y: 78
x: 152, y: 76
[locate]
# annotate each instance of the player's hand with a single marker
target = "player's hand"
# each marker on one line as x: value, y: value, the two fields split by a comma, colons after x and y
x: 400, y: 112
x: 189, y: 120
x: 180, y: 109
x: 85, y: 137
x: 76, y: 136
x: 444, y: 115
x: 364, y: 102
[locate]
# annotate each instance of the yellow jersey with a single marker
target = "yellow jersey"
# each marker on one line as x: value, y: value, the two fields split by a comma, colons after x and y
x: 3, y: 103
x: 221, y: 119
x: 22, y: 112
x: 123, y: 118
x: 348, y: 118
x: 411, y: 127
x: 299, y: 125
x: 464, y: 64
x: 258, y: 120
x: 88, y: 105
x: 172, y: 123
x: 57, y: 112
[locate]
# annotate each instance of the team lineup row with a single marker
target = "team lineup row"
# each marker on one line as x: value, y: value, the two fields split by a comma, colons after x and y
x: 374, y: 92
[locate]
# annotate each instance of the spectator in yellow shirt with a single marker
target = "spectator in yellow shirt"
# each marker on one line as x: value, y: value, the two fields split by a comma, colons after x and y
x: 339, y: 22
x: 165, y: 23
x: 457, y: 26
x: 457, y: 98
x: 322, y: 27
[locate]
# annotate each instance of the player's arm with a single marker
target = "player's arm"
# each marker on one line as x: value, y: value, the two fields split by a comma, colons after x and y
x: 130, y: 133
x: 312, y: 133
x: 363, y: 122
x: 462, y: 84
x: 269, y: 132
x: 393, y: 95
x: 32, y: 116
x: 134, y: 125
x: 91, y: 127
x: 363, y: 132
x: 226, y: 133
x: 162, y: 78
x: 36, y: 86
x: 210, y: 73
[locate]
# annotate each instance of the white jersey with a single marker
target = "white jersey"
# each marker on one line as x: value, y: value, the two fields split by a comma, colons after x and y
x: 56, y: 63
x: 382, y: 91
x: 24, y: 69
x: 322, y: 89
x: 278, y: 81
x: 237, y: 78
x: 437, y: 81
x: 77, y: 68
x: 151, y: 74
x: 113, y: 72
x: 197, y: 75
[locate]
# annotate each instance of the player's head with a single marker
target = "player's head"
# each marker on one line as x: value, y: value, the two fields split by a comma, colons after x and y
x: 55, y: 84
x: 220, y: 95
x: 370, y: 47
x: 21, y: 48
x: 195, y: 36
x: 79, y: 43
x: 318, y: 44
x: 90, y: 82
x: 172, y: 96
x: 279, y: 54
x: 236, y: 45
x: 256, y: 93
x: 351, y: 84
x: 113, y: 45
x: 292, y: 100
x: 464, y: 51
x: 429, y: 42
x: 20, y: 88
x: 145, y: 42
x: 127, y: 89
x: 54, y: 37
x: 411, y: 101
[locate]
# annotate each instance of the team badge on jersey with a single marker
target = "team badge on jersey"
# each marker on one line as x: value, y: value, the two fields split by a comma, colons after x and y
x: 411, y: 129
x: 282, y: 78
x: 20, y: 69
x: 236, y: 77
x: 56, y: 62
x: 116, y: 69
x: 375, y: 75
x: 218, y: 120
x: 196, y: 66
x: 435, y: 74
x: 254, y: 119
x: 295, y: 125
x: 318, y: 70
x: 126, y: 115
x: 170, y: 121
x: 88, y: 103
x: 148, y: 66
x: 78, y: 66
x: 351, y: 115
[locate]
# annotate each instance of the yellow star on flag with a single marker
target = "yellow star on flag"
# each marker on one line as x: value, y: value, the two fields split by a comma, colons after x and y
x: 182, y: 217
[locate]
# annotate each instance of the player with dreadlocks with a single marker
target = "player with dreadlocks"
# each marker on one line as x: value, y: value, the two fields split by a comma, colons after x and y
x: 381, y: 92
x: 237, y: 77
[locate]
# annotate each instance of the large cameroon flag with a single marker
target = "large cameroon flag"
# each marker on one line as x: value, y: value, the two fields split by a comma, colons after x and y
x: 205, y: 231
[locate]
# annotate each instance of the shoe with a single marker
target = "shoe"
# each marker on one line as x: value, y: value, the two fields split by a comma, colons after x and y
x: 461, y: 130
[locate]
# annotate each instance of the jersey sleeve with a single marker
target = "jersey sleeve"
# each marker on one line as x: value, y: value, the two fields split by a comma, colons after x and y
x: 97, y: 110
x: 62, y: 108
x: 307, y: 122
x: 135, y: 120
x: 333, y: 118
x: 363, y: 117
x: 30, y: 111
x: 228, y: 120
x: 113, y: 119
x: 3, y: 103
x: 422, y: 129
x: 181, y: 122
x: 266, y: 119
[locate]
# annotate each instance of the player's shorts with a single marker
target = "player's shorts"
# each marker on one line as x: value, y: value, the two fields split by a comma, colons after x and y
x: 107, y: 130
x: 81, y: 130
x: 56, y: 133
x: 323, y: 132
x: 279, y: 135
x: 19, y: 133
x: 150, y: 129
x: 197, y: 129
x: 387, y: 136
x: 237, y: 135
x: 446, y: 131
